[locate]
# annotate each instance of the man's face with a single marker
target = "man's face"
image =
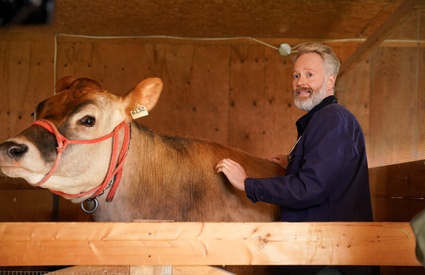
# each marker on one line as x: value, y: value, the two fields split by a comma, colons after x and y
x: 311, y: 83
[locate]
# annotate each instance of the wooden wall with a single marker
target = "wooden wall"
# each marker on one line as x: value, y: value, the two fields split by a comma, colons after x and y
x: 225, y: 93
x: 236, y: 94
x: 397, y: 103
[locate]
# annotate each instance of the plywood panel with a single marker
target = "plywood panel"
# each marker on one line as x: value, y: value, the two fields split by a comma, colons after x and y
x: 395, y: 136
x: 205, y: 95
x: 262, y: 116
x: 398, y: 191
x: 25, y: 205
x: 401, y: 180
x: 281, y: 111
x: 68, y: 211
x: 194, y: 98
x: 396, y: 209
x: 16, y: 65
x: 248, y: 107
x: 197, y: 90
x: 26, y: 78
x: 19, y: 201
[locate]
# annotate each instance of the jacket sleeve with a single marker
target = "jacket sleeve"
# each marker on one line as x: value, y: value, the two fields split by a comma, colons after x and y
x: 318, y: 160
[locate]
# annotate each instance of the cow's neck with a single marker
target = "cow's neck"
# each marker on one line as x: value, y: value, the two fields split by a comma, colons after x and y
x: 141, y: 160
x: 120, y: 148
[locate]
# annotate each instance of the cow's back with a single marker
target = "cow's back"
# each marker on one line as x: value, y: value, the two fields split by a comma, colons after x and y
x: 239, y: 208
x: 174, y: 178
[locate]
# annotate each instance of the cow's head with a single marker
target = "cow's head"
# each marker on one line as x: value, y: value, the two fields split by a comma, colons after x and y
x: 79, y: 111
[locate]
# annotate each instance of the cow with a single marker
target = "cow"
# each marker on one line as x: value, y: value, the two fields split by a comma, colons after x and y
x: 86, y: 146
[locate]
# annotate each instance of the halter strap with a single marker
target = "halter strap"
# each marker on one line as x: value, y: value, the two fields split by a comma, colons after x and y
x: 115, y: 167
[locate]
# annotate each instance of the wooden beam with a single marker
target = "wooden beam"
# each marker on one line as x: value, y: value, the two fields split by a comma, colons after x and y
x: 198, y: 243
x: 137, y: 270
x: 378, y: 36
x: 92, y: 270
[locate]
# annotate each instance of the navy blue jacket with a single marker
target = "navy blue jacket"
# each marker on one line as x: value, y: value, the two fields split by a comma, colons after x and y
x: 327, y: 178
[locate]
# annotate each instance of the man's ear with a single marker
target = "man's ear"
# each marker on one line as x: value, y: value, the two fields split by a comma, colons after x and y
x: 331, y: 81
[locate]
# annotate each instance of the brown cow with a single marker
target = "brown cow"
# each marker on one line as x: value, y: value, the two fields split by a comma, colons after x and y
x: 81, y: 148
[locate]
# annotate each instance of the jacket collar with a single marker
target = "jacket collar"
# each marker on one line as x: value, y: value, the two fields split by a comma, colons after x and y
x: 303, y: 121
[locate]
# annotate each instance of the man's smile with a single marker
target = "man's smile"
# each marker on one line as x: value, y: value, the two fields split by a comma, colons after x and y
x: 303, y: 92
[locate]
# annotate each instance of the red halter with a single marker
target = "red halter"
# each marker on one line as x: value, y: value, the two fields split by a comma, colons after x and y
x: 115, y: 167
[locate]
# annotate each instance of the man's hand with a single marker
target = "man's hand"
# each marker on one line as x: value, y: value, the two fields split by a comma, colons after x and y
x: 234, y: 173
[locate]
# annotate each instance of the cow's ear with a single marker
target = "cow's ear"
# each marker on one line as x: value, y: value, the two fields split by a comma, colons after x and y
x: 63, y: 83
x: 143, y: 97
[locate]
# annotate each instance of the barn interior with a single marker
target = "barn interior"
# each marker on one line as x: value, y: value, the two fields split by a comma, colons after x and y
x: 225, y: 80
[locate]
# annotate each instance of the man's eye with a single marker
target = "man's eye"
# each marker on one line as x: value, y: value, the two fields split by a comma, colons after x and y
x: 309, y: 74
x: 88, y: 121
x: 296, y: 76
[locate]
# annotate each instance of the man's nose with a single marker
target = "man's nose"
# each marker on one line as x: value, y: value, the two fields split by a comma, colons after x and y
x: 300, y: 81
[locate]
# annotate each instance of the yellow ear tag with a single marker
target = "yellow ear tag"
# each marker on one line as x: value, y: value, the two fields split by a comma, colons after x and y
x: 139, y: 112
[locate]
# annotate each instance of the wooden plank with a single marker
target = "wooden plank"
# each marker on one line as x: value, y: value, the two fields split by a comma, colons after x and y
x: 137, y: 270
x: 403, y: 180
x: 194, y: 101
x: 261, y: 113
x: 25, y: 79
x: 378, y: 36
x: 396, y: 209
x: 199, y: 270
x: 151, y: 269
x: 13, y: 183
x: 91, y: 269
x: 198, y: 243
x: 397, y: 191
x: 394, y: 117
x: 68, y: 211
x: 25, y: 205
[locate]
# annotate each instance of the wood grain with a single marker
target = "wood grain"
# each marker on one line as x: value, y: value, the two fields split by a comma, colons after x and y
x: 207, y: 244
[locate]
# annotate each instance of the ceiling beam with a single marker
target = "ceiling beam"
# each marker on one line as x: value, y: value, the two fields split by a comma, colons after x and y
x: 379, y: 35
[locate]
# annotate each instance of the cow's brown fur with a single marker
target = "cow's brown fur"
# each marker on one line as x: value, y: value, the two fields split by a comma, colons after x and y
x: 176, y: 180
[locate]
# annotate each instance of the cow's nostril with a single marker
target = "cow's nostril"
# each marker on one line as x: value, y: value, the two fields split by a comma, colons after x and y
x: 17, y: 150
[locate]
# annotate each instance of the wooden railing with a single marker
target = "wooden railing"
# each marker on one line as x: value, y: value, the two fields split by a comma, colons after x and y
x: 202, y: 244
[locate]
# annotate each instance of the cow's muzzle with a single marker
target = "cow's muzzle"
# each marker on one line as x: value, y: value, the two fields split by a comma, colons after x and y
x: 14, y: 150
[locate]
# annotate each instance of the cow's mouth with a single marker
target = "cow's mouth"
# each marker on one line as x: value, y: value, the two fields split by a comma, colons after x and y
x: 18, y: 171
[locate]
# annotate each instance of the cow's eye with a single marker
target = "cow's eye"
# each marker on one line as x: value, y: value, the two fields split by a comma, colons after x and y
x: 88, y: 121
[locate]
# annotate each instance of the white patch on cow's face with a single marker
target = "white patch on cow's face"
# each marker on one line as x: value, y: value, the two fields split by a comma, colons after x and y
x: 84, y: 166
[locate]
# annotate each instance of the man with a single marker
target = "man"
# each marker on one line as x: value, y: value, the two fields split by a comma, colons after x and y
x: 326, y: 171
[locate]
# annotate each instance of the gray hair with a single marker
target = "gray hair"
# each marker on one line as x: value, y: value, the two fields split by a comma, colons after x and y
x: 328, y: 55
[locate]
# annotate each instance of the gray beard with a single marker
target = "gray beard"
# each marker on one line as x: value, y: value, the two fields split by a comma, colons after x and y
x: 306, y: 104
